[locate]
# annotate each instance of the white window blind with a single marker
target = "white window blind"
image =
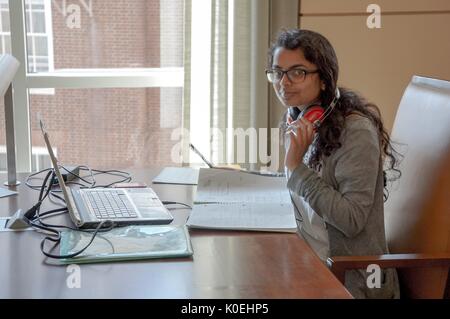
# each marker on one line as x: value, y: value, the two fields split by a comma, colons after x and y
x: 227, y: 43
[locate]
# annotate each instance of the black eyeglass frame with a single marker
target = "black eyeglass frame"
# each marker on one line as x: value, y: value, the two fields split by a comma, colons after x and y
x: 283, y: 72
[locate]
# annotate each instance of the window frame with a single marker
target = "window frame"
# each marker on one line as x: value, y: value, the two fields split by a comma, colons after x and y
x: 48, y: 34
x: 75, y: 79
x: 38, y: 152
x: 3, y: 33
x: 32, y: 35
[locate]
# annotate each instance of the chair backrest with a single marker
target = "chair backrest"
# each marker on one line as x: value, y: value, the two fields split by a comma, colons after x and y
x: 417, y: 213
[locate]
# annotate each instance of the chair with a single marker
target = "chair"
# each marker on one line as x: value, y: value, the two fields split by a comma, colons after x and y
x: 417, y: 213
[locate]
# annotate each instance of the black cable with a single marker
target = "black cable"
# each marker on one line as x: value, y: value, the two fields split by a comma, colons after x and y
x: 50, y: 175
x: 78, y: 176
x: 59, y: 211
x: 176, y: 203
x: 57, y: 240
x: 50, y: 226
x: 34, y: 217
x: 111, y: 171
x: 53, y: 211
x: 32, y: 176
x: 46, y: 191
x: 52, y: 194
x: 36, y: 187
x: 126, y: 177
x: 51, y: 229
x: 31, y: 213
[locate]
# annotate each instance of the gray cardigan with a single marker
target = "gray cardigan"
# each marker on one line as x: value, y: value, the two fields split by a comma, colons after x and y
x: 349, y: 198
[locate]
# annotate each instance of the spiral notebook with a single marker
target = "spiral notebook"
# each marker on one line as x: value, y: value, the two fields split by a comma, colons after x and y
x: 127, y: 243
x: 241, y: 201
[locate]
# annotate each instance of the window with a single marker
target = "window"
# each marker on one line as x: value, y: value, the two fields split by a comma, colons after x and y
x: 109, y: 128
x: 40, y: 159
x: 39, y: 34
x: 5, y: 39
x: 116, y: 69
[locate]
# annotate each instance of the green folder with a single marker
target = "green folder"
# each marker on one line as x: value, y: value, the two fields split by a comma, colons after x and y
x: 127, y: 243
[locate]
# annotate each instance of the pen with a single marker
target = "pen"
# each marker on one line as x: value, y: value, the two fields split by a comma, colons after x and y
x: 291, y: 129
x: 196, y: 151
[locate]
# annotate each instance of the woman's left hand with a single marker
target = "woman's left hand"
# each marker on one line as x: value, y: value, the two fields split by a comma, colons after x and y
x: 299, y: 144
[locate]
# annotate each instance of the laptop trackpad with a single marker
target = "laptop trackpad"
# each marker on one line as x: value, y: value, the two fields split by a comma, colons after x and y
x: 148, y: 204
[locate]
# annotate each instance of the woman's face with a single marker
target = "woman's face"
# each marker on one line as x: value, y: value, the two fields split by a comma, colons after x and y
x: 296, y: 93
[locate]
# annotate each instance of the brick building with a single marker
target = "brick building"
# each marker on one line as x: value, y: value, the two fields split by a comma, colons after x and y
x: 112, y: 128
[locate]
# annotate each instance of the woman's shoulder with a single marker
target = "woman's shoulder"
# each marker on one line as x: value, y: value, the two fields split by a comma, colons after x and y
x: 359, y: 133
x: 357, y: 121
x: 359, y: 128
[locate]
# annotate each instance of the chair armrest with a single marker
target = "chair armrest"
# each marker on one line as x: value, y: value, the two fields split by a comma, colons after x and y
x: 340, y: 264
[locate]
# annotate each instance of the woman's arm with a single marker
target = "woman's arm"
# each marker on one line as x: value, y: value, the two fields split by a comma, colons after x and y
x: 357, y: 165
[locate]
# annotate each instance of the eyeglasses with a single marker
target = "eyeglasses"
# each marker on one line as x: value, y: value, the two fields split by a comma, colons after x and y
x: 295, y: 75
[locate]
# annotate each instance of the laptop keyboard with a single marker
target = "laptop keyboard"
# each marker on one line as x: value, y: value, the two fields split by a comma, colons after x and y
x: 110, y: 204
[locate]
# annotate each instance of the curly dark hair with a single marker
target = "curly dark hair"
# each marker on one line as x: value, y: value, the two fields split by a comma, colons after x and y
x: 318, y: 50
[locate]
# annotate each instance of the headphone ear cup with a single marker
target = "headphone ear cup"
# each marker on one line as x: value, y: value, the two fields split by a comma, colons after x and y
x: 294, y: 112
x: 313, y: 113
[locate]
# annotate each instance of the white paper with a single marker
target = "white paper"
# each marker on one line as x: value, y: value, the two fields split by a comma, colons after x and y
x: 177, y: 175
x: 223, y: 186
x: 244, y: 216
x: 6, y: 192
x: 4, y: 222
x: 242, y: 201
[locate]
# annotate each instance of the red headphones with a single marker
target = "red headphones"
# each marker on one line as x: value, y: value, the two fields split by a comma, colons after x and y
x: 315, y: 113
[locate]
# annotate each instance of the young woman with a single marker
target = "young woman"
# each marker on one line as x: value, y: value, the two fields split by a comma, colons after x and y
x: 334, y: 161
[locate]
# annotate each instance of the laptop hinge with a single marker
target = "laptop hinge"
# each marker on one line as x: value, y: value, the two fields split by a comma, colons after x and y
x: 73, y: 210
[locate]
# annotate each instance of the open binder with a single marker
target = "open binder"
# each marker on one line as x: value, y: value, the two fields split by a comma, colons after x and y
x: 127, y: 243
x: 241, y: 201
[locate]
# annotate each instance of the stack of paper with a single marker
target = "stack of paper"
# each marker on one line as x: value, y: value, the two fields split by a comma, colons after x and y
x: 177, y: 175
x: 242, y: 201
x: 6, y: 192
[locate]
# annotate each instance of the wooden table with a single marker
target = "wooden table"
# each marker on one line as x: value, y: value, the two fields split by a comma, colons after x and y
x: 225, y: 264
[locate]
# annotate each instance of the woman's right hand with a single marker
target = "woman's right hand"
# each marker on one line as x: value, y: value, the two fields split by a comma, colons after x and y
x: 289, y: 119
x: 299, y: 143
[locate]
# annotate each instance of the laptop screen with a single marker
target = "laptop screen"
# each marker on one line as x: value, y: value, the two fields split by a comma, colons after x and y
x: 62, y: 185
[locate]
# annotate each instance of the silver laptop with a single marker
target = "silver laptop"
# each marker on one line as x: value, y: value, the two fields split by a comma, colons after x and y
x: 124, y: 206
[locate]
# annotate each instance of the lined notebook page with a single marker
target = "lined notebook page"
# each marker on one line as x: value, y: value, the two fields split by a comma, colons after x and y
x: 223, y: 186
x: 242, y: 201
x: 243, y: 216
